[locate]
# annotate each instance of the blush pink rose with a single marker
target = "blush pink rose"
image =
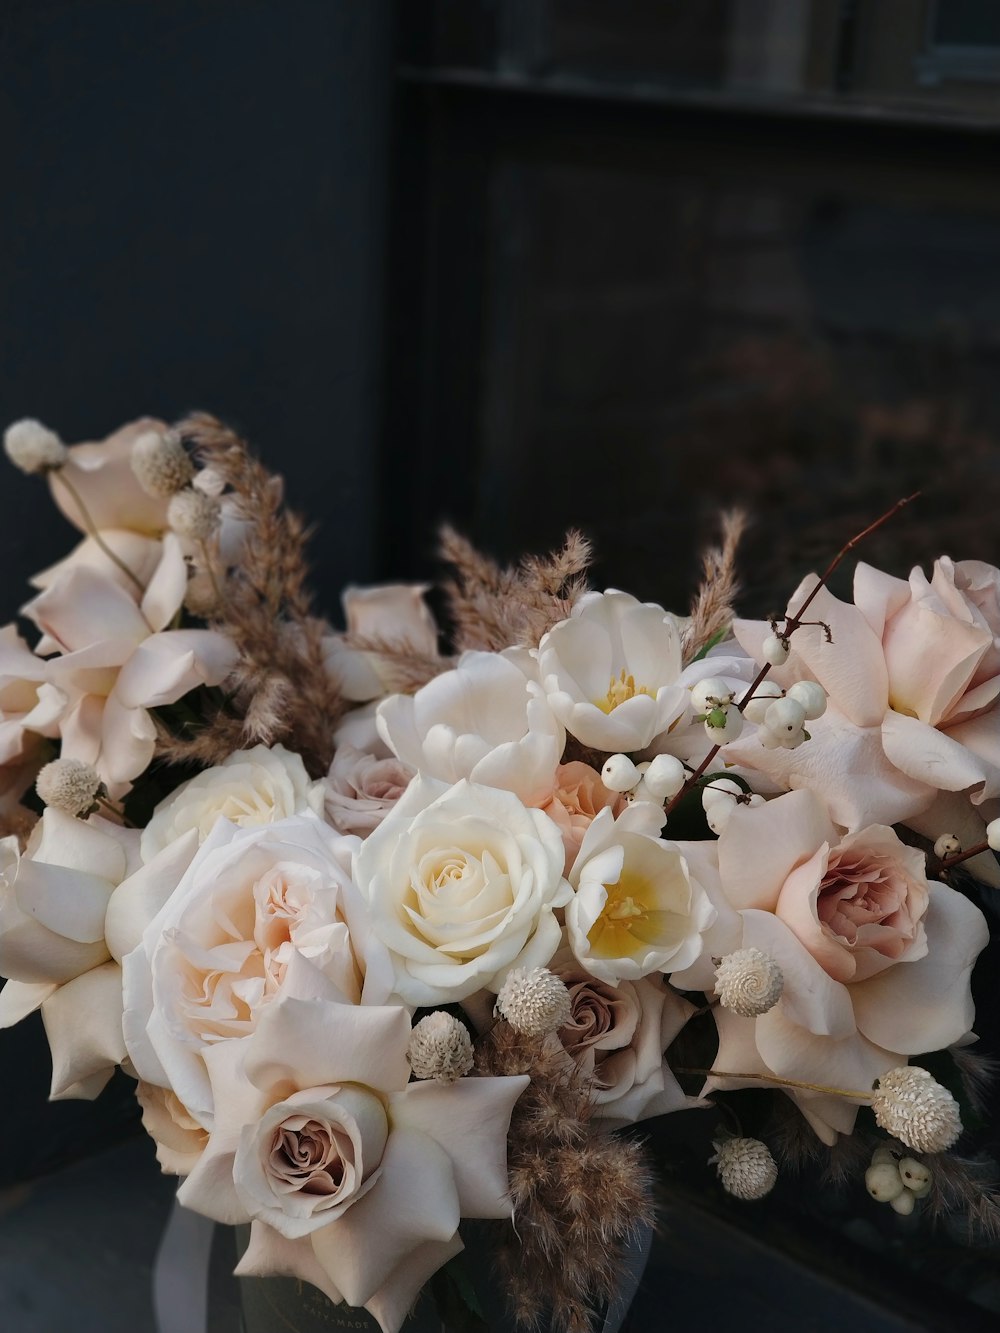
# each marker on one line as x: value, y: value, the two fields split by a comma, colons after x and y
x: 577, y: 798
x: 362, y: 788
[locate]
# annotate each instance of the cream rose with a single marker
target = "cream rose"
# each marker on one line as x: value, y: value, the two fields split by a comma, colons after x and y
x: 251, y: 787
x: 462, y: 883
x: 217, y: 952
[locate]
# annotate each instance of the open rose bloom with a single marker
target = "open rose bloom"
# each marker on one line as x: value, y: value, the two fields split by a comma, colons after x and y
x: 392, y: 933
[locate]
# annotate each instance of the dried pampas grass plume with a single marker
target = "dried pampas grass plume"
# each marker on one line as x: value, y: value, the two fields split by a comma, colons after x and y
x: 712, y: 609
x: 494, y: 608
x: 281, y: 689
x: 578, y: 1195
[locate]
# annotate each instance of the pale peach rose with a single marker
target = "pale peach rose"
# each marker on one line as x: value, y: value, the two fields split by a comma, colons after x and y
x: 179, y: 1139
x: 578, y: 796
x: 225, y: 933
x: 362, y: 788
x: 115, y: 658
x: 913, y: 678
x: 617, y: 1035
x: 355, y: 1178
x: 876, y: 961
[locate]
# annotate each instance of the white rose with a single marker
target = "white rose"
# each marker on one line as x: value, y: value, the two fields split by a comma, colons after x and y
x: 610, y: 671
x: 484, y: 720
x: 251, y: 902
x: 461, y: 883
x: 636, y: 908
x: 251, y: 787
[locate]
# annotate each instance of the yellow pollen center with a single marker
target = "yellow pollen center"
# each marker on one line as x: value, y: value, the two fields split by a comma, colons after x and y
x: 631, y: 915
x: 621, y: 688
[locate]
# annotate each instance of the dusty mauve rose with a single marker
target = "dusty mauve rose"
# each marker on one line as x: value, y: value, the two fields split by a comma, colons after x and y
x: 349, y: 1171
x: 876, y: 961
x: 362, y: 788
x: 577, y: 798
x: 617, y: 1035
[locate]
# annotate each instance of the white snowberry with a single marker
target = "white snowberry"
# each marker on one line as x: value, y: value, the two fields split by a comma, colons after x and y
x: 763, y: 696
x: 811, y: 695
x: 993, y: 834
x: 774, y: 651
x: 947, y: 845
x: 712, y: 692
x: 619, y: 773
x: 664, y: 777
x: 728, y: 728
x: 883, y: 1182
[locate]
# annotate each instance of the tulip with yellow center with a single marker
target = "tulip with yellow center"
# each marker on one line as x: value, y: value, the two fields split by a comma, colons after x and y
x: 636, y: 909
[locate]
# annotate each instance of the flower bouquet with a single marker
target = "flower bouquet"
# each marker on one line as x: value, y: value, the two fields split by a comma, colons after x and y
x: 391, y: 936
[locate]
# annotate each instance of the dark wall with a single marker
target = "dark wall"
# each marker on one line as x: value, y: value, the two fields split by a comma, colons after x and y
x: 193, y: 218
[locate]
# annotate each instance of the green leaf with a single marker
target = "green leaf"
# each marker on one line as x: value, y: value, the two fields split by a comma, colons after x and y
x: 717, y: 637
x: 456, y: 1299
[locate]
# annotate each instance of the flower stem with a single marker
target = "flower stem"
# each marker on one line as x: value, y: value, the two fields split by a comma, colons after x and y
x: 792, y: 623
x: 781, y: 1082
x: 948, y: 861
x: 91, y: 527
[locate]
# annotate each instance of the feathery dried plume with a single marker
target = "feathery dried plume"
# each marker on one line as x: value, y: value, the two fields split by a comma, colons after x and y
x: 266, y: 612
x: 712, y: 609
x: 495, y: 608
x: 968, y: 1187
x: 411, y: 669
x: 18, y: 823
x: 578, y: 1196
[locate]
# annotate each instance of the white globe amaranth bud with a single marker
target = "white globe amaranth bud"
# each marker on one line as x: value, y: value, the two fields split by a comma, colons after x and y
x: 440, y: 1048
x: 749, y: 982
x: 69, y: 785
x: 161, y: 464
x: 774, y: 650
x: 947, y: 845
x: 193, y: 514
x: 619, y: 773
x: 745, y: 1166
x: 912, y: 1106
x: 32, y: 447
x: 534, y: 1001
x: 712, y: 692
x: 811, y: 695
x: 664, y: 777
x: 763, y: 696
